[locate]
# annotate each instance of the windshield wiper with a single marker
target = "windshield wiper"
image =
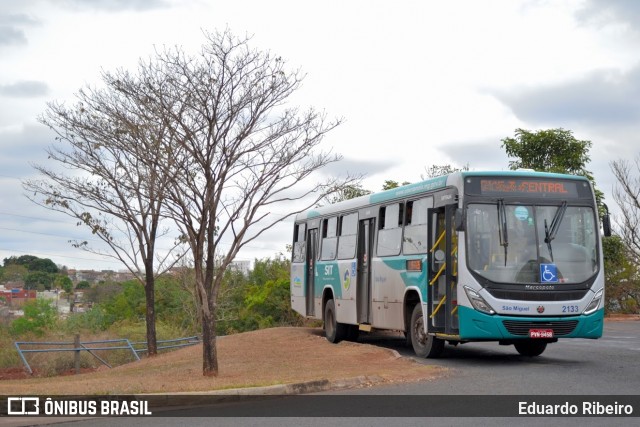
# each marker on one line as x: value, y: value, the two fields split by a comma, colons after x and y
x: 550, y: 232
x: 502, y: 219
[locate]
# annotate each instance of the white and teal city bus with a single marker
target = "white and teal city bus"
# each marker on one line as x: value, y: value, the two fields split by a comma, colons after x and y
x: 513, y: 257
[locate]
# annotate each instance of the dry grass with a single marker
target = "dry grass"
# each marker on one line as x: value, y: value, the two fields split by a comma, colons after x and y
x: 260, y: 358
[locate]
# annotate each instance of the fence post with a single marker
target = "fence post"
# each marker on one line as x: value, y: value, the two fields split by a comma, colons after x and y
x: 76, y: 344
x: 24, y: 360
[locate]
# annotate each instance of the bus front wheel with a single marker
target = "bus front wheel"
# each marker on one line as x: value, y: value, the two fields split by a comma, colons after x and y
x: 530, y: 348
x: 334, y: 331
x: 424, y: 345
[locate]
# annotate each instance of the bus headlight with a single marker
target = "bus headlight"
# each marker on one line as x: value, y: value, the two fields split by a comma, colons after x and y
x: 594, y: 304
x: 478, y: 302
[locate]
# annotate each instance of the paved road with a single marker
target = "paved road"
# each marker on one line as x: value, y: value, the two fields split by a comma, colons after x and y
x: 608, y: 366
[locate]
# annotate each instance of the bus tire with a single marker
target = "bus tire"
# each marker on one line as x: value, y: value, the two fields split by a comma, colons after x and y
x: 530, y: 348
x: 424, y: 345
x: 334, y: 331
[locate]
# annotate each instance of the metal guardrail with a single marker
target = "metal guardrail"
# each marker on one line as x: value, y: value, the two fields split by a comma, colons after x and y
x: 88, y: 346
x: 189, y: 341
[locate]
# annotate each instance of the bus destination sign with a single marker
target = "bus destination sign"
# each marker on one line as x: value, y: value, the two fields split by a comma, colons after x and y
x: 542, y: 188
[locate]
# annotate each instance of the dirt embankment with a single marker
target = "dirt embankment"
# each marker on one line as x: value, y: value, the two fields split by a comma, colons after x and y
x: 259, y: 358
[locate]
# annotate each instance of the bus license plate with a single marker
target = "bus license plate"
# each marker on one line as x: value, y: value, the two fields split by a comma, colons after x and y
x: 540, y: 333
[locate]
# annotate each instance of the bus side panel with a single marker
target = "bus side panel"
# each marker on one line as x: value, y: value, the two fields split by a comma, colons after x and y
x: 346, y: 306
x: 390, y: 280
x: 340, y: 277
x: 298, y: 287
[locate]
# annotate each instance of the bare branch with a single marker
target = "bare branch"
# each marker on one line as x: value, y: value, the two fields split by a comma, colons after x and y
x: 627, y: 196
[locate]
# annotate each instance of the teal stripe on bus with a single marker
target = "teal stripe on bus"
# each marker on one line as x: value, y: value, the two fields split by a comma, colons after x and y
x: 410, y: 278
x: 328, y: 274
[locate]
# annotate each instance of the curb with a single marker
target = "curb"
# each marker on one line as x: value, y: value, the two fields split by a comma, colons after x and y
x: 315, y: 386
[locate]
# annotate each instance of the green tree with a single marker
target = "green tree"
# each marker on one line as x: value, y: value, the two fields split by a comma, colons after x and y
x: 347, y: 193
x: 14, y: 273
x: 434, y: 171
x: 129, y: 304
x: 266, y: 298
x: 269, y: 269
x: 551, y: 150
x: 83, y: 284
x: 102, y: 292
x: 176, y: 305
x: 231, y: 312
x: 64, y: 283
x: 389, y: 184
x: 32, y: 263
x: 38, y: 280
x: 38, y: 315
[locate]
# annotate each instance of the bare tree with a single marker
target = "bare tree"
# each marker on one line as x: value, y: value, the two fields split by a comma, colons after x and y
x: 627, y: 196
x: 206, y: 140
x: 241, y: 155
x: 114, y: 178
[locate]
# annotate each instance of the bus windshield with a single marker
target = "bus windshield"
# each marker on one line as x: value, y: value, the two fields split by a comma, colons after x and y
x: 508, y: 243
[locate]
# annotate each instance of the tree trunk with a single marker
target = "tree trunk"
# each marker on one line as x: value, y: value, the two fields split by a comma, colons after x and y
x: 149, y: 290
x: 209, y: 349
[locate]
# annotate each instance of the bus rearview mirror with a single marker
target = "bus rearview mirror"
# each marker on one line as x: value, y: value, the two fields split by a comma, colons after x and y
x: 606, y: 221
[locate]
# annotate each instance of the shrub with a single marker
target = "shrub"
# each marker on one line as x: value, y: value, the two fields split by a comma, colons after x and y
x: 38, y: 315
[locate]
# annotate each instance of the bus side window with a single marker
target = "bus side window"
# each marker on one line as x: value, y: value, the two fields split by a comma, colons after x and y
x: 415, y: 231
x: 299, y: 242
x: 390, y: 232
x: 329, y: 238
x: 347, y: 236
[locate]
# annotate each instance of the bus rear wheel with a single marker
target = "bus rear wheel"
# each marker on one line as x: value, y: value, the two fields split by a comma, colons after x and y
x: 530, y: 348
x: 334, y: 331
x: 424, y: 345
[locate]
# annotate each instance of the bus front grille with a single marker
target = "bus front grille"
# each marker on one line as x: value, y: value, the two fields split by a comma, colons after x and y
x: 521, y: 328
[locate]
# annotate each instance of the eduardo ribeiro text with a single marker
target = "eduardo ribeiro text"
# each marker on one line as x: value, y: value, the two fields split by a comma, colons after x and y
x: 566, y: 408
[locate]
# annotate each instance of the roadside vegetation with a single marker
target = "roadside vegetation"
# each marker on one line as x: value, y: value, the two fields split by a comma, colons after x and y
x: 249, y: 301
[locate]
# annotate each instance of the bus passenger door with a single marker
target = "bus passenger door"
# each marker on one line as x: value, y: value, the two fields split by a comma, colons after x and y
x: 312, y: 247
x: 443, y: 271
x: 365, y: 243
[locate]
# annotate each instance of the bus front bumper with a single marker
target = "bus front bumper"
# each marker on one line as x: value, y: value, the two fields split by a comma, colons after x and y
x: 475, y: 325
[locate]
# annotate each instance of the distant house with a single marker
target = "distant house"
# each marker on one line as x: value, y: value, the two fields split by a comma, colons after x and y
x: 16, y: 297
x: 14, y: 284
x: 241, y: 266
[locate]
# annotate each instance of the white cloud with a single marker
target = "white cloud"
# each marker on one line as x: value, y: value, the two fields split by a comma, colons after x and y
x: 419, y: 83
x: 24, y: 89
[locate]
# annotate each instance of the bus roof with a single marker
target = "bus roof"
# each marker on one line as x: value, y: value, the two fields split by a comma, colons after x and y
x: 405, y: 191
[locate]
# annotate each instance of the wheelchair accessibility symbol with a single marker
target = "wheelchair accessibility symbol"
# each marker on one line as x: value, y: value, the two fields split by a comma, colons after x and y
x: 548, y: 273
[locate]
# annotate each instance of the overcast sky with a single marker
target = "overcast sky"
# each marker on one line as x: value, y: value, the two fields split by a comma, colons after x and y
x: 418, y: 83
